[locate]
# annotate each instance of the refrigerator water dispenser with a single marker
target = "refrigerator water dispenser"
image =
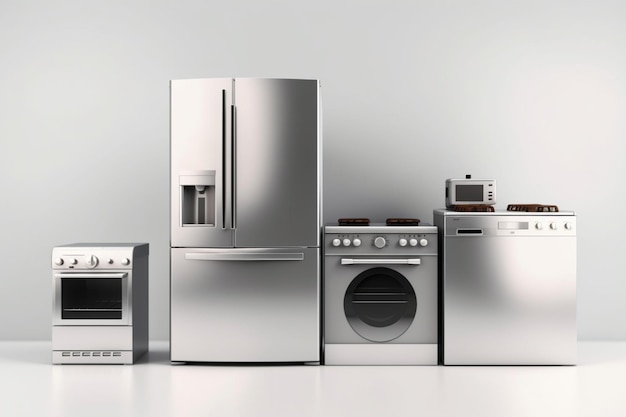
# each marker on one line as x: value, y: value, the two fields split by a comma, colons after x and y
x: 197, y: 191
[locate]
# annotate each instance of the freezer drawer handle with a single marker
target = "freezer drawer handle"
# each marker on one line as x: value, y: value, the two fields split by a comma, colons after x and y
x: 244, y: 256
x: 382, y: 261
x: 88, y: 275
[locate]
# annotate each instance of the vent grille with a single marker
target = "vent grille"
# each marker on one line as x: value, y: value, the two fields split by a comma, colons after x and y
x: 95, y: 354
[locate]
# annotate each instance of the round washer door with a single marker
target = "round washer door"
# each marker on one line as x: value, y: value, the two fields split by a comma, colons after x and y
x: 380, y: 304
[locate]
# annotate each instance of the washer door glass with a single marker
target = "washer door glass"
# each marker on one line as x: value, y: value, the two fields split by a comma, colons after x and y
x: 380, y: 304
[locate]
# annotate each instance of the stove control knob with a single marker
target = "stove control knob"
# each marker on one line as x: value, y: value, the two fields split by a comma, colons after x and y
x: 356, y: 242
x: 125, y: 261
x: 538, y: 226
x: 402, y: 242
x: 346, y: 242
x: 336, y: 242
x: 92, y: 261
x: 554, y: 226
x: 380, y: 242
x: 110, y: 261
x: 568, y: 226
x: 73, y: 261
x: 58, y: 261
x: 413, y: 242
x: 423, y: 242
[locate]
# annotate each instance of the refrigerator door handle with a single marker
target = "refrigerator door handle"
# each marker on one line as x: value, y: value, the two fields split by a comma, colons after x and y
x: 225, y: 208
x: 244, y: 256
x: 233, y: 167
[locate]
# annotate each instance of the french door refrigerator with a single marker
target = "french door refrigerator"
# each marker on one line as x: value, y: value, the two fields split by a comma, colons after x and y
x: 245, y: 220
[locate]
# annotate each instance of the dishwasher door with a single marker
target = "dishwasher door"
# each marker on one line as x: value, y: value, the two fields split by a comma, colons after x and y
x: 245, y: 305
x: 509, y: 299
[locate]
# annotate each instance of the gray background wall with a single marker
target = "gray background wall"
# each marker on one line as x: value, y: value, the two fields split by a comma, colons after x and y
x: 532, y: 93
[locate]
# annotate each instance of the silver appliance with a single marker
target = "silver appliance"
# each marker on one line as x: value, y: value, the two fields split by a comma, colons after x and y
x: 508, y: 288
x: 380, y: 295
x: 246, y: 220
x: 470, y: 191
x: 100, y: 303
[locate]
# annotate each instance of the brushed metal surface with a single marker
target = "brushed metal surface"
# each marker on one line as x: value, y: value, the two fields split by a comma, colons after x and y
x: 277, y: 163
x: 200, y: 131
x: 377, y: 354
x: 508, y: 298
x: 245, y: 311
x: 92, y: 337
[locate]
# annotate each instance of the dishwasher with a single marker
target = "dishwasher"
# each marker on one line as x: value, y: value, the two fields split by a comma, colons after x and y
x: 507, y: 288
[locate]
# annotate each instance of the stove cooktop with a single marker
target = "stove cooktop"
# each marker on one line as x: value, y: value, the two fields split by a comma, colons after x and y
x: 392, y: 221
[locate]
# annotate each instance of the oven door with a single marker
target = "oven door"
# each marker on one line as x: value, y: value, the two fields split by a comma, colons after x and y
x: 380, y: 300
x: 380, y: 304
x: 92, y: 298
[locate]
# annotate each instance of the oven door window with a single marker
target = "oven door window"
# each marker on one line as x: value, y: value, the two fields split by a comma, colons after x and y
x: 380, y: 304
x: 91, y: 298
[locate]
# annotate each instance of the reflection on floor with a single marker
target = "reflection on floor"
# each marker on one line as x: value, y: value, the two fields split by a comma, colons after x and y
x: 31, y: 386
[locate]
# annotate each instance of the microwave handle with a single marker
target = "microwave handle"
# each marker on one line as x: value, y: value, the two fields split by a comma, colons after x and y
x: 381, y: 261
x: 244, y: 256
x: 93, y: 275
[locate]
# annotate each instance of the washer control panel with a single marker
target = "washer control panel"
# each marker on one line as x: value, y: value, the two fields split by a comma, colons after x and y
x: 380, y: 240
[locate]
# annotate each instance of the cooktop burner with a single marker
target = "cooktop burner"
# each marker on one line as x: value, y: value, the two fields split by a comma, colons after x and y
x: 395, y: 221
x: 474, y: 208
x: 355, y: 221
x: 532, y: 208
x: 392, y: 221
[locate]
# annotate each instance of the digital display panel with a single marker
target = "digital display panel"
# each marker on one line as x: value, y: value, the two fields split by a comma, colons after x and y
x: 469, y: 193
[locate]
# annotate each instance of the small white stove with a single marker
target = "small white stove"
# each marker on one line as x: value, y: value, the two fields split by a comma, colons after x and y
x: 100, y: 305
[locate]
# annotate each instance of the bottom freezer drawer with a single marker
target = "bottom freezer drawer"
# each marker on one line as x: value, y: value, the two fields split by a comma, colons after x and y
x: 245, y: 305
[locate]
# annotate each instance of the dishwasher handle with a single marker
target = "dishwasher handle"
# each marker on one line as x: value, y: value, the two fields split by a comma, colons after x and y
x: 243, y: 256
x: 381, y: 261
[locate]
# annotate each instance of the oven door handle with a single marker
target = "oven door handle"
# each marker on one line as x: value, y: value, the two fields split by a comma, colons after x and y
x: 94, y: 275
x: 381, y: 261
x: 245, y: 256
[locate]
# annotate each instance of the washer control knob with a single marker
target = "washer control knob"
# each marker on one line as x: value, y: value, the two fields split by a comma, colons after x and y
x: 346, y: 242
x: 356, y: 242
x: 58, y: 261
x: 73, y: 261
x: 554, y: 226
x: 336, y: 242
x: 413, y: 242
x: 380, y: 242
x: 402, y: 242
x: 423, y: 242
x: 92, y: 261
x: 125, y: 261
x: 538, y: 226
x: 568, y: 226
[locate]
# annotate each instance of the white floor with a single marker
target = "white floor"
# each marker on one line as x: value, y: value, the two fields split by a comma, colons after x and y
x: 31, y: 386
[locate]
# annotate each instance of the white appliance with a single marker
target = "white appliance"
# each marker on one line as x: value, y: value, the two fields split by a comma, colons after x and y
x: 508, y: 287
x: 245, y: 220
x: 380, y: 295
x: 100, y: 303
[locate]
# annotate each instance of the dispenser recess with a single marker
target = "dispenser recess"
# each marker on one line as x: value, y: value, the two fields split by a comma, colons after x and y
x: 197, y: 190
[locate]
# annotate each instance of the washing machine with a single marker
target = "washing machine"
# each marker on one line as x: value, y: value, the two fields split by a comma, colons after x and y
x: 380, y: 295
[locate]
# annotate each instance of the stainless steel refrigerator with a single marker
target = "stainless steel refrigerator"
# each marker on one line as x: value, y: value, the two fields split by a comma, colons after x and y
x: 245, y: 220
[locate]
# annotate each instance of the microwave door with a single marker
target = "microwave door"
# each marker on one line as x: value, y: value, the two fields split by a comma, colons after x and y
x: 201, y: 167
x: 276, y: 163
